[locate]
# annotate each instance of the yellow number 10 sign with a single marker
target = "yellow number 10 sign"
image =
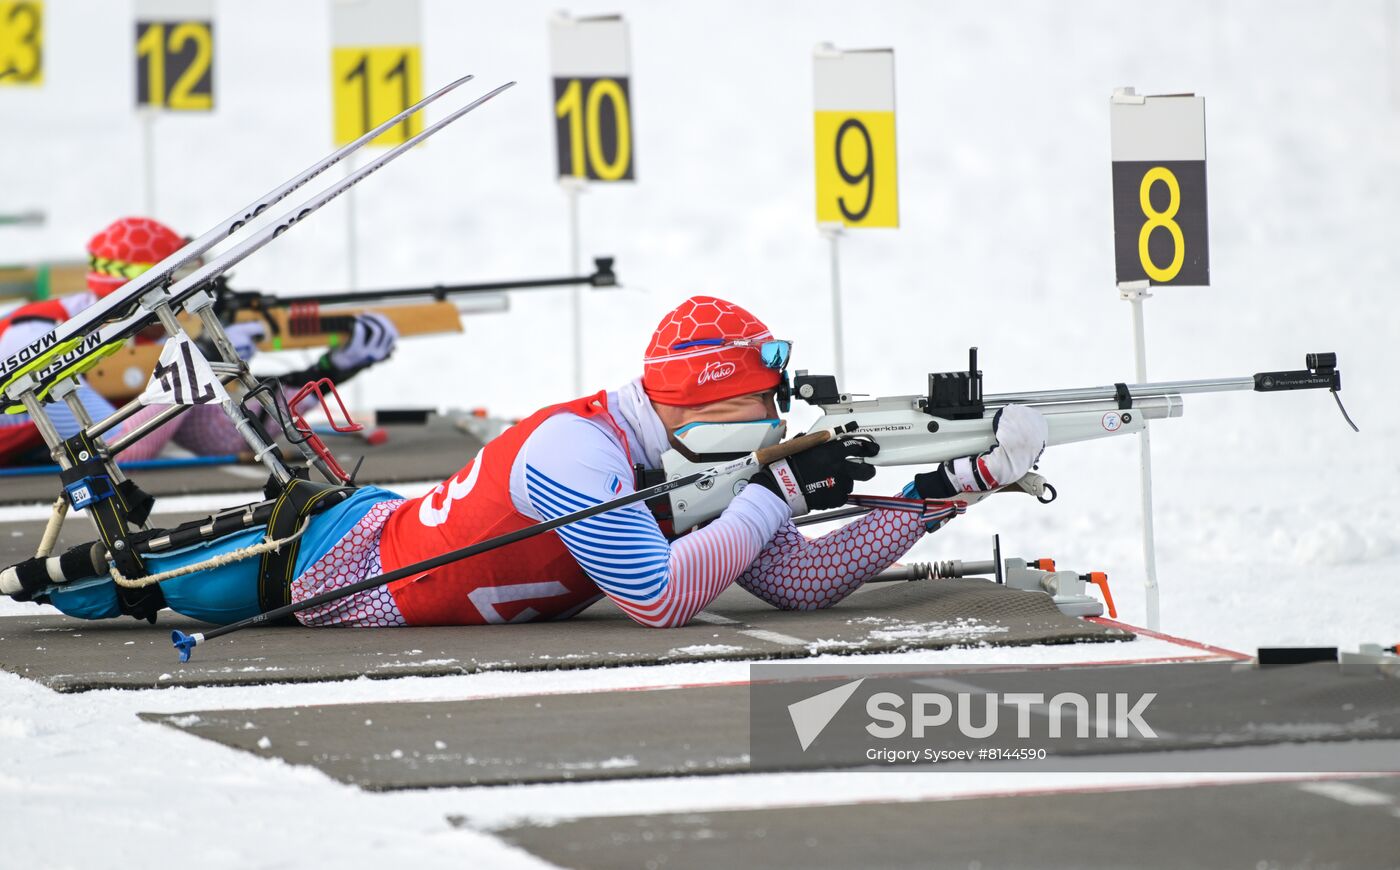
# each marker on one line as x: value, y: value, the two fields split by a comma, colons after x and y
x: 593, y: 129
x: 856, y: 171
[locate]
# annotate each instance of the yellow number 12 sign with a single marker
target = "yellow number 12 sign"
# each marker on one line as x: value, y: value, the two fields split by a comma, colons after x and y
x: 856, y: 167
x: 376, y: 69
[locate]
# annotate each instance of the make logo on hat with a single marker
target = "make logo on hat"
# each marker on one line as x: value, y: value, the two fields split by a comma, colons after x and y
x: 716, y: 371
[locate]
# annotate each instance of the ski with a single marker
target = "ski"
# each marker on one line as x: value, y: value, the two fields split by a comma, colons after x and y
x: 87, y: 350
x: 61, y: 338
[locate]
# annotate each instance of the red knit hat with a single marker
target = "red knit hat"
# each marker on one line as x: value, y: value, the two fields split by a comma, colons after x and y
x: 679, y: 370
x: 127, y: 248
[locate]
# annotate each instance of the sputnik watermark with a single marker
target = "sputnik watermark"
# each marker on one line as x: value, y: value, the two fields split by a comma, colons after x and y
x: 1226, y: 716
x: 1105, y: 715
x: 929, y: 710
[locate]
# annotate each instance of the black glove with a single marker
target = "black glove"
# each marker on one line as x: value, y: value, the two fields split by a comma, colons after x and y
x: 820, y: 477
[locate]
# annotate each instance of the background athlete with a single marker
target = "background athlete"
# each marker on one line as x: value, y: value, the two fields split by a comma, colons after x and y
x: 123, y: 250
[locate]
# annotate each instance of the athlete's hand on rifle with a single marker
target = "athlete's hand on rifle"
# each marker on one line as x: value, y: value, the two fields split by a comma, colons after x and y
x: 245, y: 337
x: 1020, y: 432
x: 372, y: 340
x: 820, y: 477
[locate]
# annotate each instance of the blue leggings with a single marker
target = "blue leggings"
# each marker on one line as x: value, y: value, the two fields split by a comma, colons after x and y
x: 228, y: 593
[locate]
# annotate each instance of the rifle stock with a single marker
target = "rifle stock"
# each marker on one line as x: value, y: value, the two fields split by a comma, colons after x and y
x: 122, y: 376
x: 42, y: 281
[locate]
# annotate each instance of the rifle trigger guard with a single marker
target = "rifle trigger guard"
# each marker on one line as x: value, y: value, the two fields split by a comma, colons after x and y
x: 1047, y: 489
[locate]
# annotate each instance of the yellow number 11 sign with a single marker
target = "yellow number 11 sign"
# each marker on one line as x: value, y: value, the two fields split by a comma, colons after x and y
x: 857, y: 175
x: 376, y: 68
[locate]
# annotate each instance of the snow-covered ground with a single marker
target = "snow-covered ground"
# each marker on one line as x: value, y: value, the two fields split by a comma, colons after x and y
x: 1275, y: 523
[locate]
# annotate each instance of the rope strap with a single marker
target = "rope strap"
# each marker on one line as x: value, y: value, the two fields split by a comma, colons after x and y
x: 217, y: 562
x: 46, y: 543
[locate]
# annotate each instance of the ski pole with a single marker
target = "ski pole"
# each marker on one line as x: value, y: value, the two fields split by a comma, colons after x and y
x: 64, y: 361
x: 185, y: 643
x: 45, y: 346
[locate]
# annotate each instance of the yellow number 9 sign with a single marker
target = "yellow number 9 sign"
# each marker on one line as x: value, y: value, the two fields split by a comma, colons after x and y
x: 21, y: 43
x: 857, y: 176
x: 856, y: 171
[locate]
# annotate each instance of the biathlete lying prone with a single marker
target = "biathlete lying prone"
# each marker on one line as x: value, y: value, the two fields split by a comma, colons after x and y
x: 709, y: 362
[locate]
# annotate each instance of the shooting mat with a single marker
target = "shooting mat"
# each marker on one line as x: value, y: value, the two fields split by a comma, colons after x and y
x: 73, y: 655
x: 1269, y: 824
x: 690, y: 731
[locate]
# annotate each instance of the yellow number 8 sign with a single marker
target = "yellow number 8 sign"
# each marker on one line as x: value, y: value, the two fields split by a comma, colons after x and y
x: 1160, y: 220
x: 1160, y: 233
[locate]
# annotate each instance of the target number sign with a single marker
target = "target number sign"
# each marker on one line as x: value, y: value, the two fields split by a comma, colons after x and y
x: 376, y: 68
x: 373, y: 84
x: 175, y: 60
x: 21, y: 43
x: 593, y: 129
x: 856, y: 166
x: 1160, y: 223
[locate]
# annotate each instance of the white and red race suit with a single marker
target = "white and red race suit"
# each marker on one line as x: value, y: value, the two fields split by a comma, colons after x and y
x: 571, y: 456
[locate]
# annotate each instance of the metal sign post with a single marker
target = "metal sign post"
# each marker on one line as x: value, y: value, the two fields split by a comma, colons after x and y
x: 1160, y: 236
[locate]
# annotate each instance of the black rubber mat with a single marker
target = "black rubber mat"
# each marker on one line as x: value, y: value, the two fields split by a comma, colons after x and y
x: 1256, y: 825
x: 431, y: 451
x: 74, y: 655
x: 707, y: 730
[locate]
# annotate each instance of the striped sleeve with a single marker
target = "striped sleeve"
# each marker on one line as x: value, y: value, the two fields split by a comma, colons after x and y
x: 570, y: 464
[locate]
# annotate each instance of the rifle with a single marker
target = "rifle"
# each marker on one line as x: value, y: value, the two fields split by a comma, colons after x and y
x: 42, y: 281
x: 300, y: 321
x: 954, y: 419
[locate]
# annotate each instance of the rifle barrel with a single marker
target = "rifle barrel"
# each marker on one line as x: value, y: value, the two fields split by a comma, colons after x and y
x: 602, y: 276
x: 1137, y: 391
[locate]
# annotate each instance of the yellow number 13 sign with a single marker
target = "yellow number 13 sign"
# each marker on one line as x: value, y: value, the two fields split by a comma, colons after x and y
x: 856, y: 171
x: 21, y: 43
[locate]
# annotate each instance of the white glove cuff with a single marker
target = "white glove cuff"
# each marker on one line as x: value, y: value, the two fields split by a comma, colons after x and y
x: 789, y: 487
x: 971, y: 474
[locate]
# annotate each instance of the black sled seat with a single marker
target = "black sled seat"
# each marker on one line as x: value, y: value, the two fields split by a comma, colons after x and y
x: 72, y: 655
x: 412, y: 452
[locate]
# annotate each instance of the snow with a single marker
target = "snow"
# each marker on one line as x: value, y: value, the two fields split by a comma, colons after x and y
x: 1274, y: 523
